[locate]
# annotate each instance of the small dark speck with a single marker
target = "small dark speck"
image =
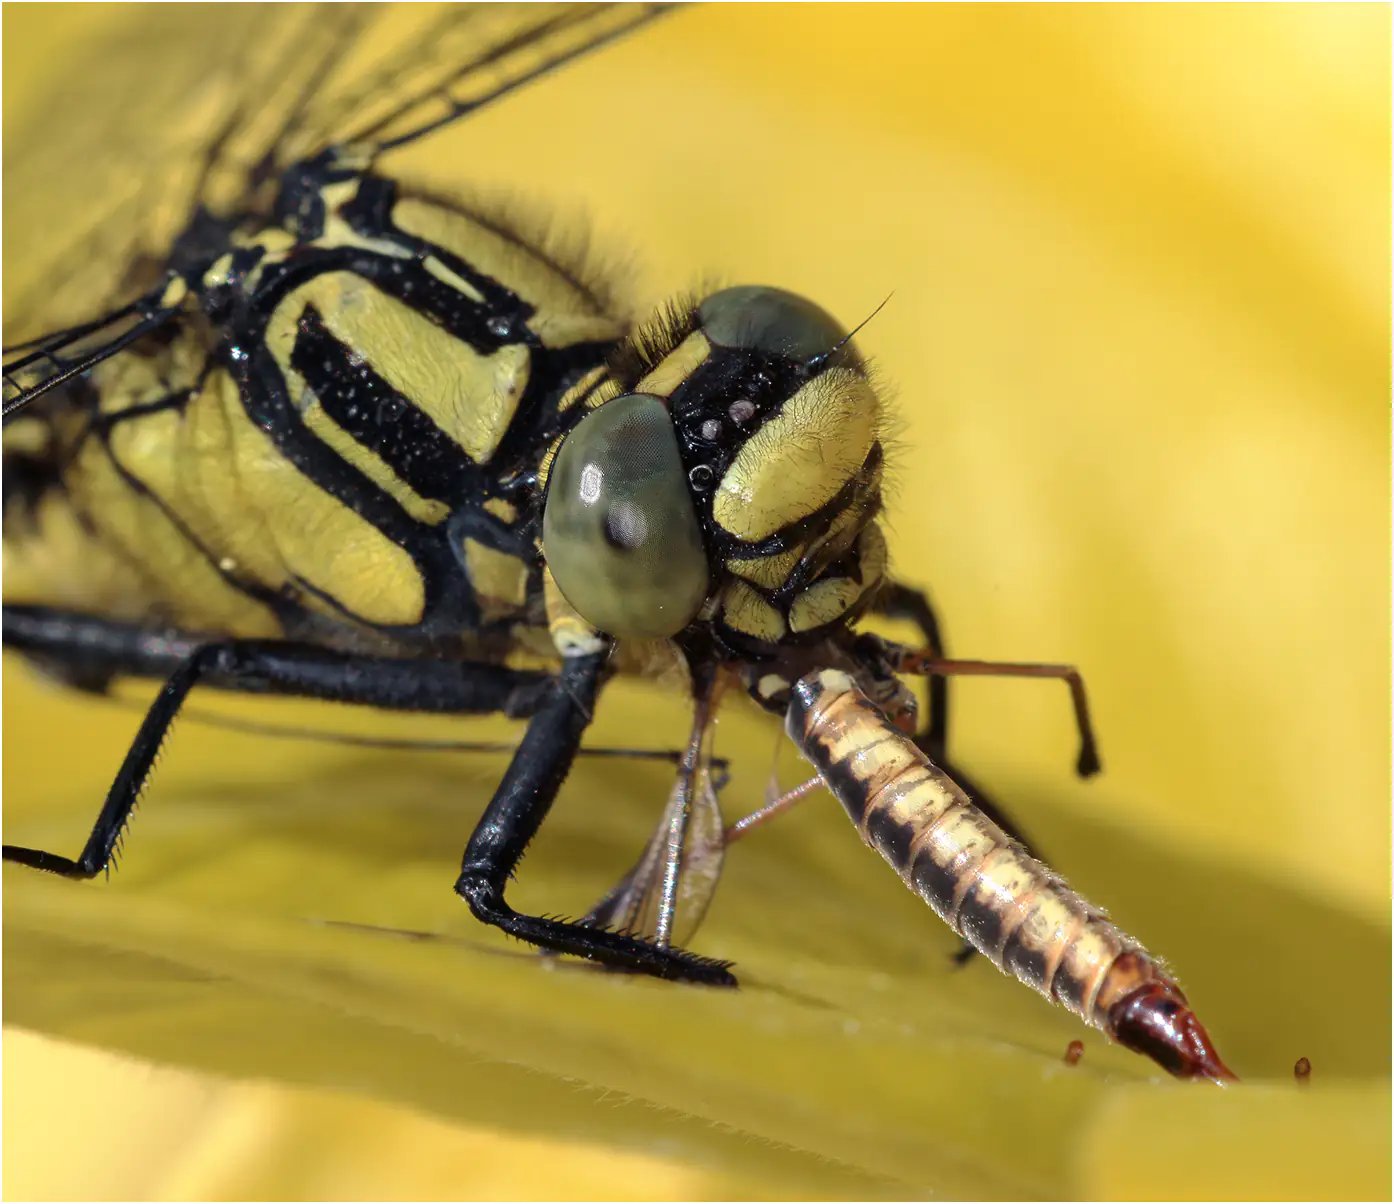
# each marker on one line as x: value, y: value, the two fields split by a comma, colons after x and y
x: 1302, y: 1071
x: 1073, y: 1052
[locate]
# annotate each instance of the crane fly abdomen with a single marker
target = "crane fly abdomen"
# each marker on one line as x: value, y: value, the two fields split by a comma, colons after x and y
x: 1013, y: 909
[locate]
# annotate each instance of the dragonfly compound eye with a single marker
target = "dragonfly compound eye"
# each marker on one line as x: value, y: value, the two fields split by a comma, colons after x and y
x: 619, y: 531
x: 760, y: 318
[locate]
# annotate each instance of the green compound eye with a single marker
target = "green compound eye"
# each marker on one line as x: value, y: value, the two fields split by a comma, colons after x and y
x: 769, y: 319
x: 619, y: 531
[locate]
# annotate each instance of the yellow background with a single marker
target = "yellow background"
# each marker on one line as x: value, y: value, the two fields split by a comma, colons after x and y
x: 1138, y: 262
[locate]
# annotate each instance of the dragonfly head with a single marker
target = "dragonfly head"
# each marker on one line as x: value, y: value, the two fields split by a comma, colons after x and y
x: 728, y: 475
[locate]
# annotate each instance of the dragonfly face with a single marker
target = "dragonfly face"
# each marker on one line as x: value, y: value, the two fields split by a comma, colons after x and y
x: 733, y: 480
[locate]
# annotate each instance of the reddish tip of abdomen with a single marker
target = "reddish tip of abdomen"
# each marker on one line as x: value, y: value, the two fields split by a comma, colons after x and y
x: 1155, y: 1020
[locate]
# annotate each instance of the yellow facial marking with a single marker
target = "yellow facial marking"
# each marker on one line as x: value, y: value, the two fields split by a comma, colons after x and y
x: 844, y: 529
x: 580, y: 388
x: 745, y: 611
x: 500, y: 509
x: 872, y: 555
x: 677, y: 366
x: 798, y: 460
x: 768, y: 572
x: 823, y: 602
x: 500, y: 581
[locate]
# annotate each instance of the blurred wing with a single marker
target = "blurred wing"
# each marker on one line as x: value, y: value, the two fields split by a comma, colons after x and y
x: 102, y: 159
x: 176, y: 107
x: 35, y: 367
x: 632, y: 906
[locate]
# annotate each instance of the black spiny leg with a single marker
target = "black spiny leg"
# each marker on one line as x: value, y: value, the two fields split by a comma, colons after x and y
x: 296, y: 669
x: 901, y: 602
x: 512, y: 819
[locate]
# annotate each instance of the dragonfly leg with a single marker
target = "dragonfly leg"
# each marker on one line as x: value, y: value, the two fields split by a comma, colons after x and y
x: 515, y: 813
x: 92, y: 652
x: 286, y: 668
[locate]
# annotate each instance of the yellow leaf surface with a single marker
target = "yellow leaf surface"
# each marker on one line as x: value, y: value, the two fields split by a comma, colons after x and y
x: 1138, y: 335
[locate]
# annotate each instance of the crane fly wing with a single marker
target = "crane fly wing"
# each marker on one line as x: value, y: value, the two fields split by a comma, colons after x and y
x: 632, y: 906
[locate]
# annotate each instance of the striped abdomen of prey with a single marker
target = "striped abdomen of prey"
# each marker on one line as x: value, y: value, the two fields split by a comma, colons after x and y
x: 985, y: 886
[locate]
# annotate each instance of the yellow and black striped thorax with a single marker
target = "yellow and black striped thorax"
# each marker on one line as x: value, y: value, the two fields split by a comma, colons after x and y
x: 342, y: 442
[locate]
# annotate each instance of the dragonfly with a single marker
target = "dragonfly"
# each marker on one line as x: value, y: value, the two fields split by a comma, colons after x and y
x: 326, y: 433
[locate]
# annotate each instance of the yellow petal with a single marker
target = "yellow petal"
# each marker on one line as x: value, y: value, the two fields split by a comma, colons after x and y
x: 1138, y: 333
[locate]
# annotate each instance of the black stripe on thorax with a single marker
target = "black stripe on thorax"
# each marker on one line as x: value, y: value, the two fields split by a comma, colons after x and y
x: 449, y: 603
x: 379, y: 417
x: 499, y: 320
x: 551, y: 370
